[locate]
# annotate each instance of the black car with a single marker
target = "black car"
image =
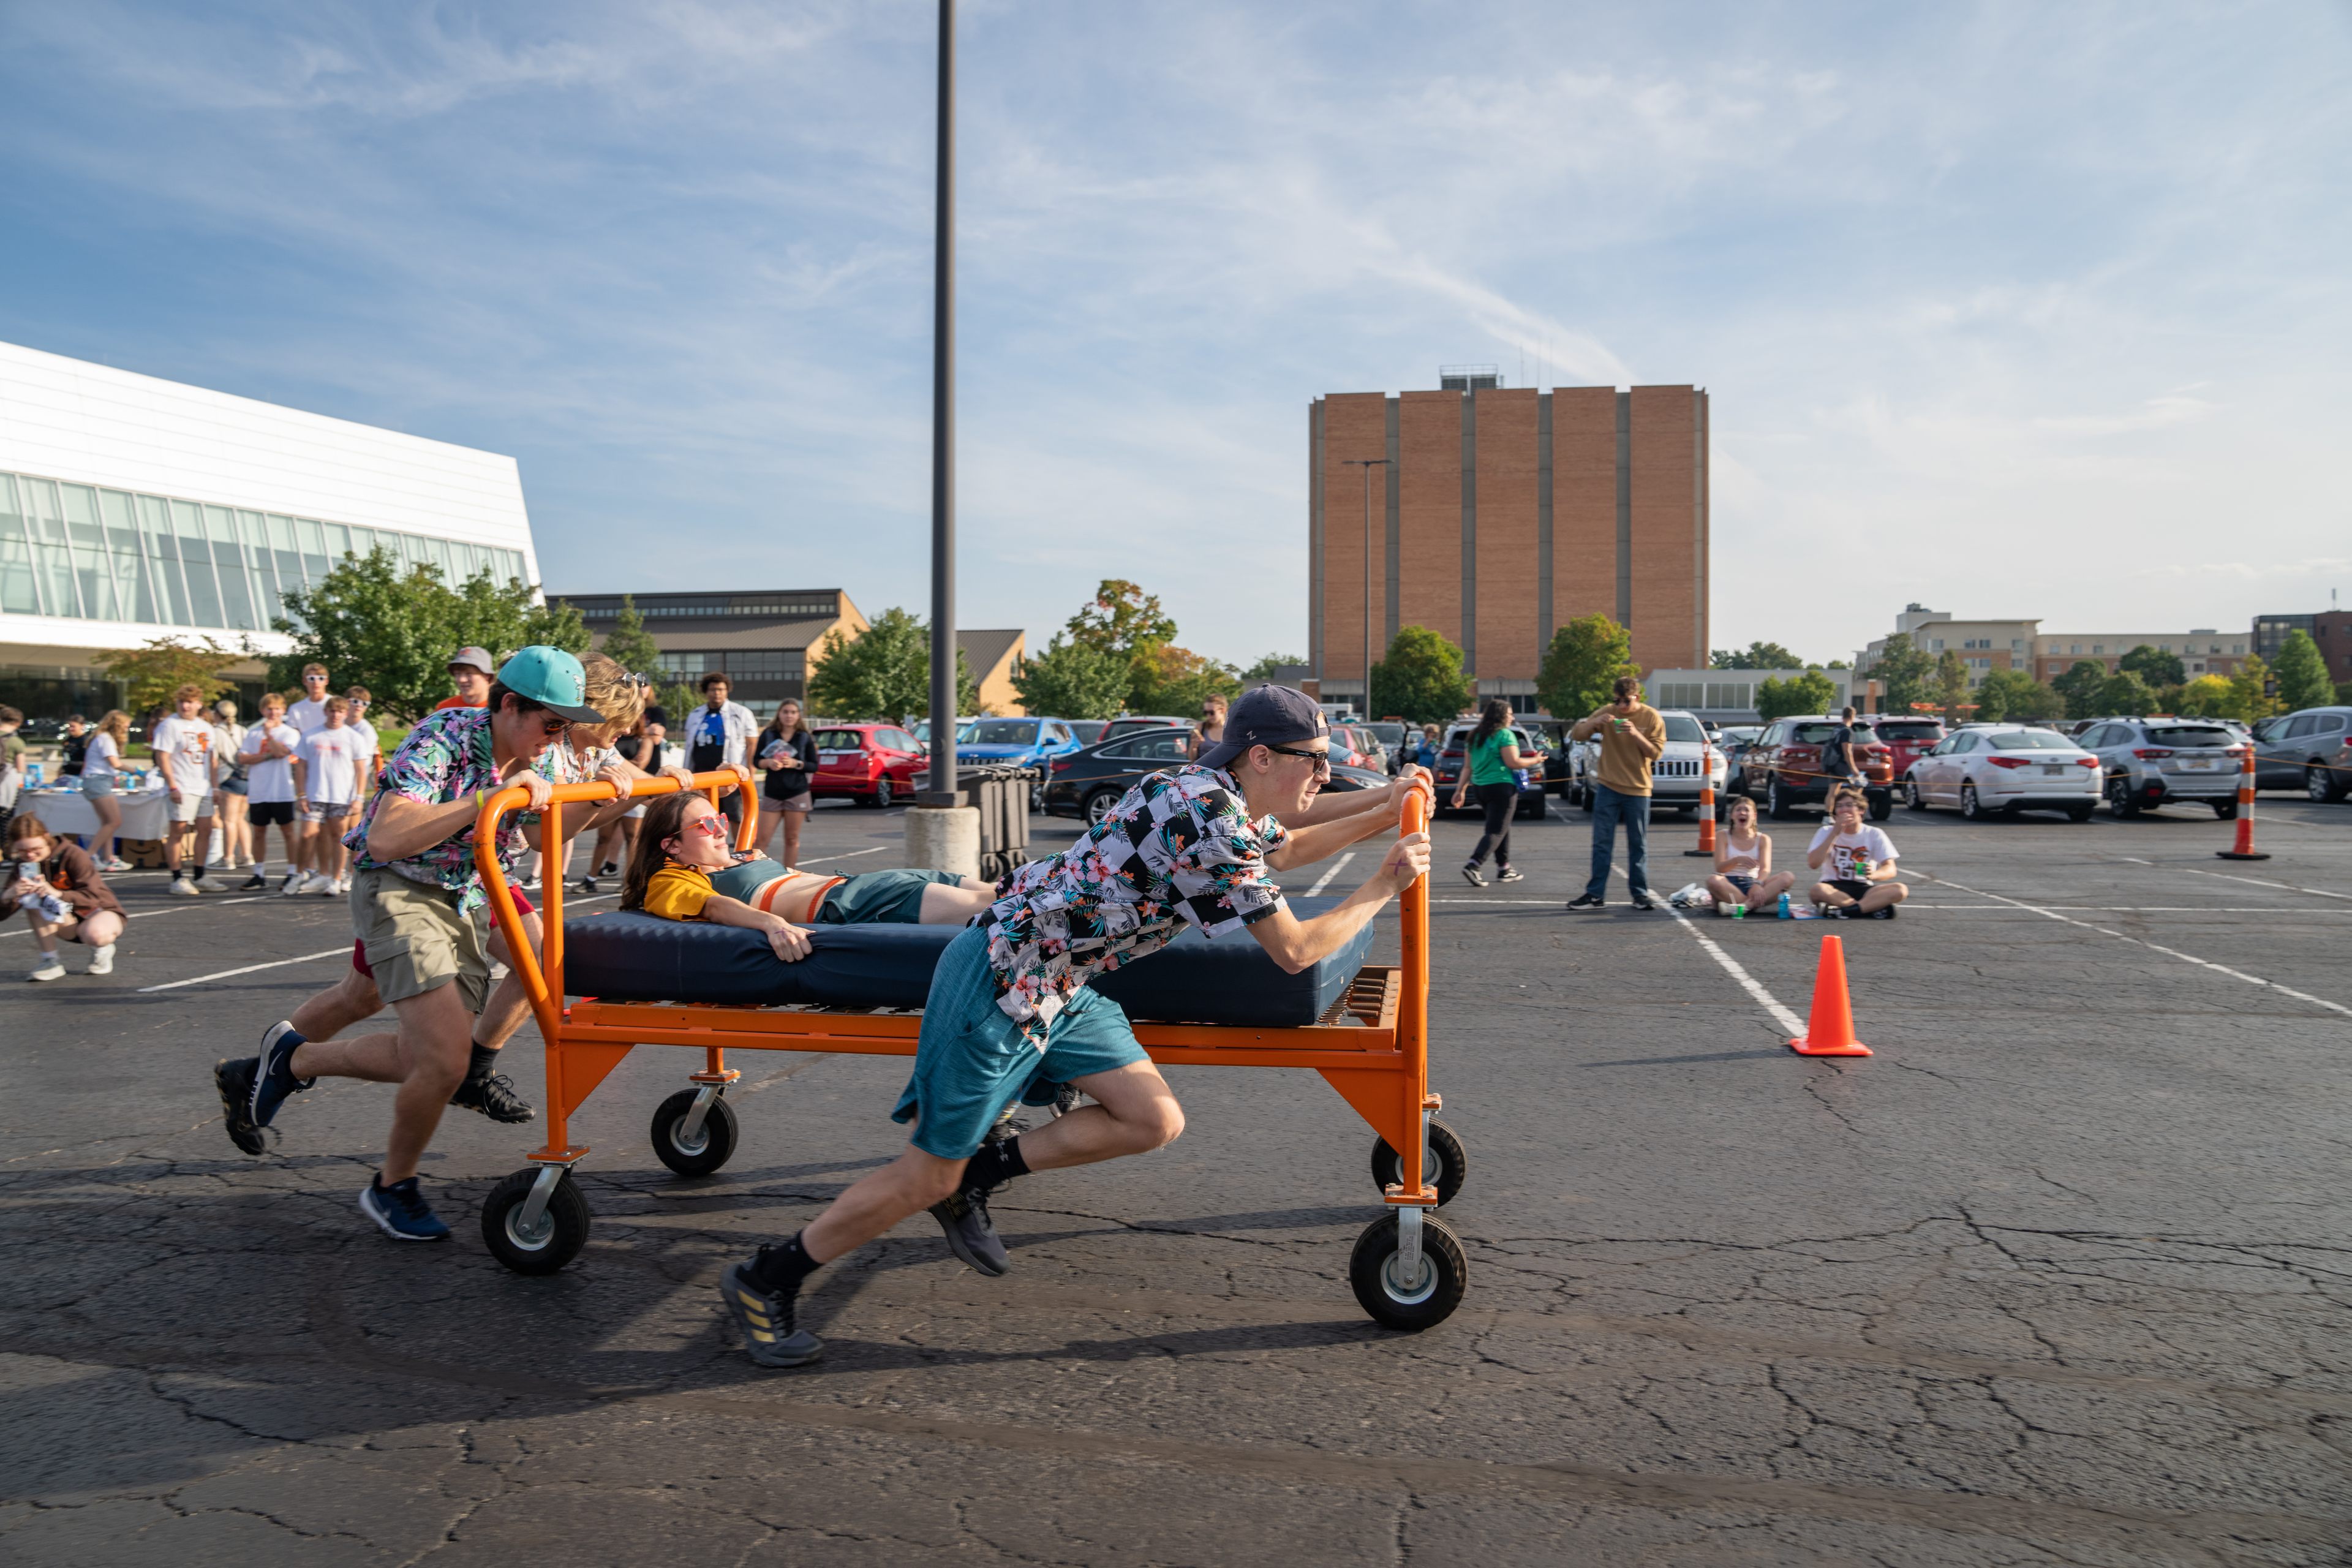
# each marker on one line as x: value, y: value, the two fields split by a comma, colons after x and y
x: 1088, y: 781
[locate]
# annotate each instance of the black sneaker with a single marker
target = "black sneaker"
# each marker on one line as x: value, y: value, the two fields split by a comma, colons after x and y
x: 1587, y: 901
x: 234, y: 1076
x: 1508, y: 874
x: 1885, y: 914
x: 588, y: 885
x: 767, y: 1321
x: 1641, y: 902
x: 609, y: 869
x: 252, y: 882
x: 964, y: 1216
x: 1470, y: 875
x: 493, y: 1095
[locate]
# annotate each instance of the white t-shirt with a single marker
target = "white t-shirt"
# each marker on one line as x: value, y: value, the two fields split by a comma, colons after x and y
x: 188, y: 744
x: 267, y: 783
x: 101, y: 756
x: 332, y: 764
x: 307, y: 716
x: 1871, y: 843
x: 366, y: 733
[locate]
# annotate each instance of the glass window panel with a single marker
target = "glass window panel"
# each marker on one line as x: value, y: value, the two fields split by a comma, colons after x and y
x: 314, y: 550
x: 465, y: 560
x: 253, y: 537
x: 47, y: 525
x: 514, y: 565
x: 290, y: 556
x: 339, y: 542
x: 19, y: 592
x: 228, y: 562
x: 363, y: 541
x: 134, y: 593
x: 163, y: 561
x: 197, y: 564
x: 436, y: 554
x: 94, y: 565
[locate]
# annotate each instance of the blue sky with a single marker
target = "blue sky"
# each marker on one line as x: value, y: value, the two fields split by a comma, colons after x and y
x: 2012, y: 309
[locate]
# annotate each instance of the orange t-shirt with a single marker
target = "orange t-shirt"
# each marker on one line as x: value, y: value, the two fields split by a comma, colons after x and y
x: 453, y: 702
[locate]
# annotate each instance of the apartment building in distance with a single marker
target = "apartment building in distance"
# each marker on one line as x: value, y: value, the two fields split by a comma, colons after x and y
x: 1985, y: 646
x: 1496, y: 515
x: 2331, y: 629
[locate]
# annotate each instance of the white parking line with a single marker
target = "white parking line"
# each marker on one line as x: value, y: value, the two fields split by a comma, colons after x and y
x: 1324, y: 880
x: 150, y: 914
x: 2257, y: 881
x: 1747, y: 983
x: 250, y: 969
x: 2158, y: 947
x: 852, y: 855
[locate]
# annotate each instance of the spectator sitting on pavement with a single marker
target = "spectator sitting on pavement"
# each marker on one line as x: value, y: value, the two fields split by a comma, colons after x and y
x: 1632, y: 736
x: 1857, y: 862
x: 1492, y: 767
x: 1743, y: 863
x: 58, y: 886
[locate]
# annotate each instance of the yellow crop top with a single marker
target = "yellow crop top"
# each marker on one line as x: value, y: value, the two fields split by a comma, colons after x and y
x: 678, y: 892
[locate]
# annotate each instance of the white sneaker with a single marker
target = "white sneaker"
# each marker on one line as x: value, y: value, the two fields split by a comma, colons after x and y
x: 48, y: 967
x: 185, y: 887
x: 318, y: 883
x: 343, y: 887
x: 101, y: 960
x: 293, y: 884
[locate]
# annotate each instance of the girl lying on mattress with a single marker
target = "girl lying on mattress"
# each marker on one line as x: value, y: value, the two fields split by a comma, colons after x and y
x: 683, y: 869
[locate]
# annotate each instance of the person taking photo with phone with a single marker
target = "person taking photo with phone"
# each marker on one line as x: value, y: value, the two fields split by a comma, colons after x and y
x: 1633, y: 737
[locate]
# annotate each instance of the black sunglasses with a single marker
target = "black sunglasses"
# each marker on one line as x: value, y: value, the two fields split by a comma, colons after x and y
x: 1322, y: 759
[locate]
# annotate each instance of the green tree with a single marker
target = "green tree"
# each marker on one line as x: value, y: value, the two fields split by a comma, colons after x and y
x: 2302, y: 673
x: 2015, y: 694
x: 1263, y: 668
x: 393, y: 629
x: 1421, y: 678
x: 2207, y: 696
x: 1755, y: 656
x: 1905, y: 669
x: 1122, y: 619
x: 2247, y: 688
x: 2159, y: 669
x: 2127, y: 691
x: 2080, y: 686
x: 628, y: 644
x: 1811, y: 692
x: 1585, y: 657
x: 676, y: 700
x: 884, y: 672
x: 1165, y: 678
x: 1951, y: 687
x: 150, y: 673
x: 1072, y: 681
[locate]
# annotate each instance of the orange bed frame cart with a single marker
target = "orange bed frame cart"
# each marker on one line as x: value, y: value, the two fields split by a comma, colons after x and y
x: 1407, y: 1269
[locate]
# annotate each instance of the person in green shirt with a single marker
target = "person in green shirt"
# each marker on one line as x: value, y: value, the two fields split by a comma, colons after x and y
x: 1495, y: 756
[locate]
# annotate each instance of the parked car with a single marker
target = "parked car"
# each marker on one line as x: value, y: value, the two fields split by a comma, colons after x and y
x: 1087, y: 782
x: 2005, y: 768
x: 1453, y: 754
x: 871, y: 763
x: 1675, y: 777
x: 1129, y: 725
x: 921, y: 729
x: 1352, y: 746
x: 1907, y: 739
x: 1735, y: 741
x: 1086, y: 731
x: 1024, y: 742
x: 2306, y: 750
x: 1785, y: 766
x: 1391, y: 739
x: 2152, y: 762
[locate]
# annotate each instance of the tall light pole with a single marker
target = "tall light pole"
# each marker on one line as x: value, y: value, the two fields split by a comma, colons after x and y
x: 1368, y: 465
x: 943, y: 635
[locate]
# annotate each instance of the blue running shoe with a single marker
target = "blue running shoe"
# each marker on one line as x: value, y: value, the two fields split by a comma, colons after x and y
x: 273, y: 1077
x: 401, y: 1212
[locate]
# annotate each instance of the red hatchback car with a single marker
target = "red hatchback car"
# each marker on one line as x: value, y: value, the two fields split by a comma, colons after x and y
x: 871, y: 763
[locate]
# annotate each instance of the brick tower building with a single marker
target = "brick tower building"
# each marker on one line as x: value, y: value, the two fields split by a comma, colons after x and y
x: 1501, y: 513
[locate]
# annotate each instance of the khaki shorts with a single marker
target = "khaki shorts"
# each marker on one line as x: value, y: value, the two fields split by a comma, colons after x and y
x: 415, y: 941
x: 192, y: 808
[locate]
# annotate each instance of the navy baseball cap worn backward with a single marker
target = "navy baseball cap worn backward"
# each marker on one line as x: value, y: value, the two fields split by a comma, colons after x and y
x: 552, y: 678
x: 1265, y: 715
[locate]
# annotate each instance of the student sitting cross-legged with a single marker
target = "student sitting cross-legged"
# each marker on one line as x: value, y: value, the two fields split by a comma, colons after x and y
x: 1857, y: 862
x: 1743, y: 863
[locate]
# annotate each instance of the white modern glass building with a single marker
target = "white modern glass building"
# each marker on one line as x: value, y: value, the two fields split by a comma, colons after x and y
x: 133, y: 507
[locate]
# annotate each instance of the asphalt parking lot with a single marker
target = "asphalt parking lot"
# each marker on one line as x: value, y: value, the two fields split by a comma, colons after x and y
x: 2059, y: 1276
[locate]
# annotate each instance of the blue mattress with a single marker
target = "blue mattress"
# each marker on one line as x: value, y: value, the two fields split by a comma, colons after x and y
x: 624, y: 957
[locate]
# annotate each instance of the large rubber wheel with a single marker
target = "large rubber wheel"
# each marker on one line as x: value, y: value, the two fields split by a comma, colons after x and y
x: 1776, y: 804
x: 714, y: 1144
x: 1446, y: 1152
x: 1410, y: 1305
x: 2119, y: 798
x: 1971, y: 807
x: 1912, y: 798
x: 2319, y: 783
x: 882, y: 793
x: 1882, y: 805
x: 2226, y: 810
x: 1098, y: 806
x: 2078, y: 814
x: 554, y: 1241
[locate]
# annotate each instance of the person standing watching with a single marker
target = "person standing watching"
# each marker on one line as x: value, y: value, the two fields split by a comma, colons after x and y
x: 371, y: 748
x: 328, y: 767
x: 98, y: 762
x: 1633, y: 737
x: 185, y: 758
x: 267, y: 759
x: 1211, y: 731
x: 1840, y: 757
x: 228, y: 794
x: 719, y: 736
x: 75, y: 746
x: 414, y: 899
x: 1490, y: 770
x: 788, y: 757
x: 470, y: 671
x: 12, y: 761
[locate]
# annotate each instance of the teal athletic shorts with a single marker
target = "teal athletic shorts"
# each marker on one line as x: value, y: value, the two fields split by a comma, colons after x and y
x: 972, y: 1061
x: 874, y: 898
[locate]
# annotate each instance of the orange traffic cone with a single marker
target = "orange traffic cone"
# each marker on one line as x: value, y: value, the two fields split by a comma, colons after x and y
x: 1830, y: 1031
x: 2244, y: 848
x: 1706, y: 806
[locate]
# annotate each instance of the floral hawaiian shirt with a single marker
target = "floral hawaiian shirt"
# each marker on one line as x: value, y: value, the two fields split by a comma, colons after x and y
x: 446, y: 757
x: 1179, y: 845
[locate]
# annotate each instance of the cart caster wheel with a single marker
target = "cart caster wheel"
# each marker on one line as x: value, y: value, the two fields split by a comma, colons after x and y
x: 1409, y: 1305
x: 712, y: 1145
x: 541, y: 1248
x: 1447, y: 1166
